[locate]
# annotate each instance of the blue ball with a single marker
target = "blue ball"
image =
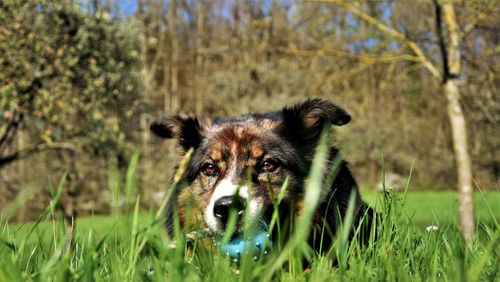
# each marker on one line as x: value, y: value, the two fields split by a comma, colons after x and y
x: 238, y: 246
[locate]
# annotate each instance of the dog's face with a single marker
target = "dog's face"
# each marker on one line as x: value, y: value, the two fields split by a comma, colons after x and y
x: 240, y: 164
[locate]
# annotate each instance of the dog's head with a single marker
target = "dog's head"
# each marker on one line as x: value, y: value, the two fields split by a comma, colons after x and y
x: 241, y: 163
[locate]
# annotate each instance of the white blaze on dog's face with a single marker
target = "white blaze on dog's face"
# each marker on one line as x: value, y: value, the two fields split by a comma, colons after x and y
x: 238, y: 165
x: 244, y: 160
x: 231, y: 187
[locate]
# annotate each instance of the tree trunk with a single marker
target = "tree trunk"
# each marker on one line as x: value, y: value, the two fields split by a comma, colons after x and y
x: 69, y: 195
x: 458, y: 125
x: 21, y: 144
x: 174, y: 59
x: 200, y: 23
x: 147, y: 74
x: 459, y: 135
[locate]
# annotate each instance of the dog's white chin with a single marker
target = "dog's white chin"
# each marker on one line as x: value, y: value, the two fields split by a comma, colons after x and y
x: 227, y: 188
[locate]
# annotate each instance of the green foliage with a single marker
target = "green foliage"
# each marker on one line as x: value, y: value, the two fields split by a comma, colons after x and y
x: 66, y: 74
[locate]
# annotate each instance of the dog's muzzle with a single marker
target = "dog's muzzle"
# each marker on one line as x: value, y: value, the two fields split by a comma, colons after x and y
x: 224, y: 206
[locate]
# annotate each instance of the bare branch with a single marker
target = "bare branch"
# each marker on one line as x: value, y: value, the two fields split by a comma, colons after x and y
x: 389, y: 31
x: 441, y: 40
x: 366, y: 58
x: 31, y: 150
x: 454, y: 60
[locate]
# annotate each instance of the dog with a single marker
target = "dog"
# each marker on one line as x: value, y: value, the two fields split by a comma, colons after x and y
x: 241, y: 163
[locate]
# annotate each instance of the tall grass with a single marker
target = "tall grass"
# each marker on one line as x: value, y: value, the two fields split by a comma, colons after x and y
x: 136, y: 248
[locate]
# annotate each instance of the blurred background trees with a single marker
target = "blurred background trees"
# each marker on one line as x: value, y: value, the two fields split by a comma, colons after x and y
x: 66, y: 75
x: 79, y: 82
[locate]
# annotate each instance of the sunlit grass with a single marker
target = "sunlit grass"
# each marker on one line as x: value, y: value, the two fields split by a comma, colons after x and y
x: 130, y: 245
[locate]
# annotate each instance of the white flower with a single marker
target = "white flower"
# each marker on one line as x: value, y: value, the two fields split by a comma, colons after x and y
x: 431, y: 228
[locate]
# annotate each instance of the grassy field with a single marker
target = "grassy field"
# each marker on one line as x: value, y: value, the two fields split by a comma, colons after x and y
x: 440, y: 207
x: 424, y: 208
x: 130, y: 245
x: 134, y: 247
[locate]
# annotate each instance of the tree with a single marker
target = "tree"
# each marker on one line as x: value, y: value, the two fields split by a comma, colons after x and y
x: 65, y: 76
x: 61, y: 66
x: 450, y: 77
x: 451, y: 74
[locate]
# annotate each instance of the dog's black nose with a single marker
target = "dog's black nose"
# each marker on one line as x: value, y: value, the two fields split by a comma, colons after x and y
x: 224, y: 205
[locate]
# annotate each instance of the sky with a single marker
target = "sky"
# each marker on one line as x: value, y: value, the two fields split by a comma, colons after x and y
x: 128, y: 7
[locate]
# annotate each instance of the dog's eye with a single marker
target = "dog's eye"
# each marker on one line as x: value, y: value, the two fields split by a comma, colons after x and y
x: 268, y: 166
x: 209, y: 169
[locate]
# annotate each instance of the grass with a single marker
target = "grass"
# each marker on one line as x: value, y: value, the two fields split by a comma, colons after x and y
x: 130, y: 245
x: 441, y: 207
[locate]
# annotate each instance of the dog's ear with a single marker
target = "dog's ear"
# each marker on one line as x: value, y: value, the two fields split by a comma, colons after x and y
x: 303, y: 122
x: 187, y: 129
